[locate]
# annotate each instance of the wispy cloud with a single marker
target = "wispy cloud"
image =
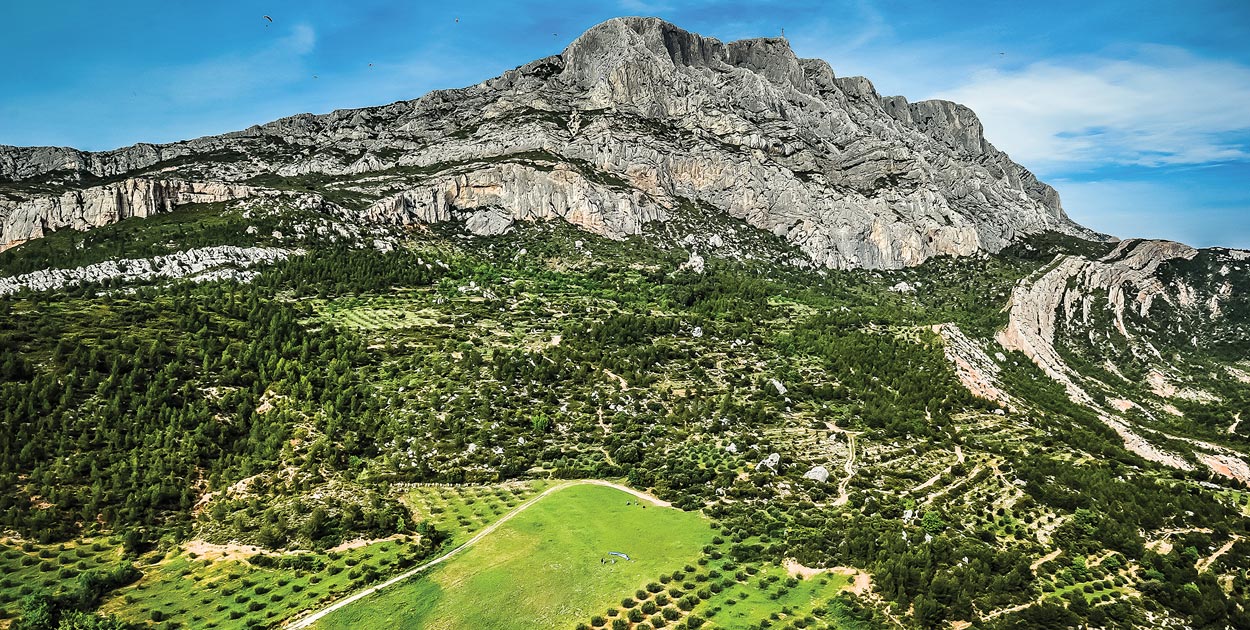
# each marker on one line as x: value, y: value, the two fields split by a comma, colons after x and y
x: 1162, y: 106
x: 229, y: 76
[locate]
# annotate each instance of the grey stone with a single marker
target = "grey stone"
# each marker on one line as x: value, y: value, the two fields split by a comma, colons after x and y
x: 634, y: 118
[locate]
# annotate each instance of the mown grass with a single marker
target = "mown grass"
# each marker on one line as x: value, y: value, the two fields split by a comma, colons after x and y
x: 769, y: 595
x: 546, y: 568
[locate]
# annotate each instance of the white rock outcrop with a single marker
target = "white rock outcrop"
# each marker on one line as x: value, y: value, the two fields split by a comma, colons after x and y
x: 769, y: 462
x: 101, y: 205
x: 817, y: 473
x: 1066, y: 296
x: 208, y: 263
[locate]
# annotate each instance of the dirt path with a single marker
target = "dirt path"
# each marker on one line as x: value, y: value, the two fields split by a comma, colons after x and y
x: 1204, y: 564
x: 620, y: 380
x: 844, y: 497
x: 928, y: 482
x: 1236, y: 421
x: 309, y: 620
x: 1044, y: 559
x: 941, y: 491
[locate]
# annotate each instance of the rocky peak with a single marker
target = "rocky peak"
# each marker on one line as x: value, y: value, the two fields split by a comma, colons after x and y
x: 632, y: 120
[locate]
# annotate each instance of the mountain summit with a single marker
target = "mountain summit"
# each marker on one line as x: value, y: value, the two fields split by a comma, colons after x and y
x: 632, y: 122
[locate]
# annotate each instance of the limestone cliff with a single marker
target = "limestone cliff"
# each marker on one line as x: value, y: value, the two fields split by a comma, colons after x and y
x: 631, y: 120
x: 1151, y: 307
x: 93, y: 207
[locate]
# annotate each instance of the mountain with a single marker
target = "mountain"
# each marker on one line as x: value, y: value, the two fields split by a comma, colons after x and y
x: 842, y: 330
x: 634, y: 120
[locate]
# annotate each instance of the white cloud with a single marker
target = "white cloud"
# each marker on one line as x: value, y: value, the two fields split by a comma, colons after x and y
x: 1164, y: 106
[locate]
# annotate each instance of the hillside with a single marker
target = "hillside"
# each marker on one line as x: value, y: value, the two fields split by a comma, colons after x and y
x: 245, y: 376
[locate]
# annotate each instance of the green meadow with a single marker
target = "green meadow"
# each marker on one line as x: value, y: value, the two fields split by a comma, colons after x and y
x: 548, y: 567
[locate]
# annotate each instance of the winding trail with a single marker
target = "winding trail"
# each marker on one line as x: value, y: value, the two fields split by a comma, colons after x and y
x: 309, y: 620
x: 844, y: 497
x: 1044, y: 559
x: 1204, y: 564
x: 959, y: 459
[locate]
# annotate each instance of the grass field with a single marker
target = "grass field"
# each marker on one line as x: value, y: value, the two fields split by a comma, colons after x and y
x: 542, y: 569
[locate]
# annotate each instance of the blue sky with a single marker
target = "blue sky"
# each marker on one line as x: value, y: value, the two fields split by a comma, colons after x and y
x: 1138, y: 112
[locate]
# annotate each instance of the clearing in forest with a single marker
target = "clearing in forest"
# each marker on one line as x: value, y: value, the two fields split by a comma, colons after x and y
x: 548, y: 567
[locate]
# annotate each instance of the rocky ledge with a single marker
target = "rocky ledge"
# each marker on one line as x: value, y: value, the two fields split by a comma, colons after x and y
x: 208, y: 263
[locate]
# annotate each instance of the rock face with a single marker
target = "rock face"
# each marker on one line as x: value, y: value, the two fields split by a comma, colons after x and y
x: 634, y: 119
x: 1115, y: 301
x: 208, y: 263
x: 93, y: 207
x: 1069, y: 292
x: 491, y: 199
x: 975, y: 369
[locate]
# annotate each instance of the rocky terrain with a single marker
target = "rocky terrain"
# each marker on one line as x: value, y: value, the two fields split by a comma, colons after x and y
x: 101, y: 205
x: 633, y: 119
x: 208, y: 263
x: 1104, y: 307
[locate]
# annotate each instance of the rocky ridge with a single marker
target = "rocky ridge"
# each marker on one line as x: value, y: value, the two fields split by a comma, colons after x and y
x: 635, y: 118
x: 101, y: 205
x: 1072, y: 295
x: 202, y: 264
